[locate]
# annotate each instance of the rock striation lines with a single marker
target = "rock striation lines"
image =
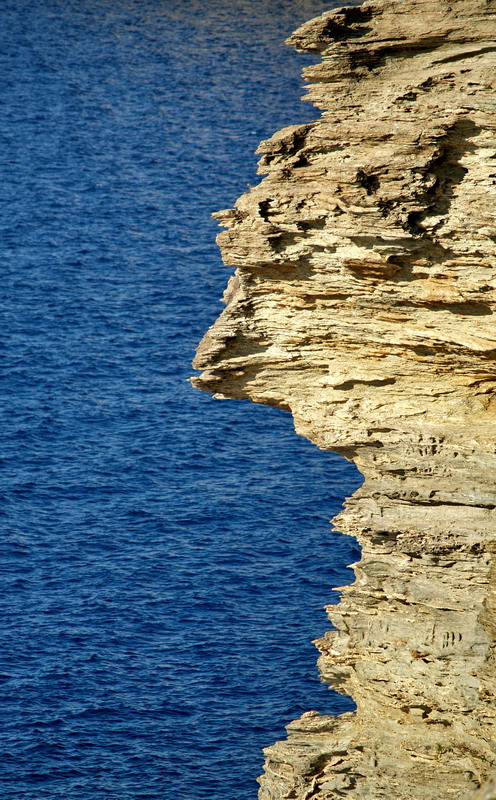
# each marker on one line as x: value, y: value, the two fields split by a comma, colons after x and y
x: 363, y: 302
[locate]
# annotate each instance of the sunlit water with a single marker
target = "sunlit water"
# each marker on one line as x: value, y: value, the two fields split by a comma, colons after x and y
x: 165, y: 557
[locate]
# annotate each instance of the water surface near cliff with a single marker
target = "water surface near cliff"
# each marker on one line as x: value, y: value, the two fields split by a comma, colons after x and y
x: 165, y: 557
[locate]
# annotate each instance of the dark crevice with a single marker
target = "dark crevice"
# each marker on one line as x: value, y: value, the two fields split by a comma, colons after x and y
x: 369, y: 182
x: 317, y: 224
x: 263, y: 208
x: 373, y: 382
x: 465, y: 54
x: 447, y: 172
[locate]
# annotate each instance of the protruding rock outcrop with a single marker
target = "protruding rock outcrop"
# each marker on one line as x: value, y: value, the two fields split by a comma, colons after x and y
x: 364, y: 303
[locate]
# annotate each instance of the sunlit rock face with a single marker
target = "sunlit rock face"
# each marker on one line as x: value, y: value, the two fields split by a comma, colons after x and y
x: 363, y: 302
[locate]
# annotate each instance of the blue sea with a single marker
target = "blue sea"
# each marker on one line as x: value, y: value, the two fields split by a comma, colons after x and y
x: 165, y: 557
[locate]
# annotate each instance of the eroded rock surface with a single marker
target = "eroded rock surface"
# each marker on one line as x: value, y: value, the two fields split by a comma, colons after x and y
x: 363, y: 302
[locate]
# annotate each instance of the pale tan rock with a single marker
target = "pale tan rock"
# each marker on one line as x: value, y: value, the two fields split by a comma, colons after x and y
x: 486, y: 792
x: 364, y: 303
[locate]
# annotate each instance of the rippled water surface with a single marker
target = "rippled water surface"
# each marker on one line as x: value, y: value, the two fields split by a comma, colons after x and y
x: 165, y: 557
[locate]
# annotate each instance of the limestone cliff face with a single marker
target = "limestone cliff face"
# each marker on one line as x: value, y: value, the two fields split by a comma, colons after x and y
x: 363, y: 302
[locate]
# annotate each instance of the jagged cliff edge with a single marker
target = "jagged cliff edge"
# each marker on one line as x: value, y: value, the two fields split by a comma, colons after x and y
x: 363, y: 302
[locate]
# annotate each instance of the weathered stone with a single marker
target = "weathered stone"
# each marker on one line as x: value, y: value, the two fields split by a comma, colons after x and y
x: 363, y: 303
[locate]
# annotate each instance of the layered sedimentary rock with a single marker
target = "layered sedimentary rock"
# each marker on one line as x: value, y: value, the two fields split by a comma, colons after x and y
x: 363, y: 302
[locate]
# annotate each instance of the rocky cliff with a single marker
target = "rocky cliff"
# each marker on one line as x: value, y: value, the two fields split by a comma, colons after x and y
x: 363, y: 302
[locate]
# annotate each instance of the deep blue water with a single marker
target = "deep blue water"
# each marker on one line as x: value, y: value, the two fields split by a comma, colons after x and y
x: 165, y: 557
